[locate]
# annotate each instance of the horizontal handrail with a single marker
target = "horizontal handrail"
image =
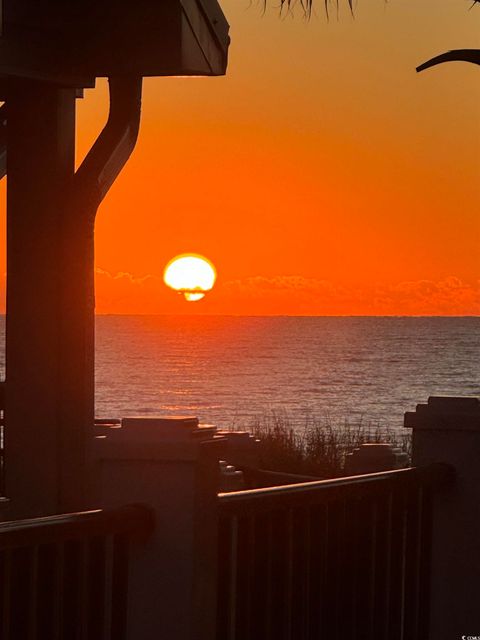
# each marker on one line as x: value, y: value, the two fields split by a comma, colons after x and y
x: 66, y: 576
x: 130, y: 520
x: 303, y: 493
x: 347, y: 557
x: 263, y: 478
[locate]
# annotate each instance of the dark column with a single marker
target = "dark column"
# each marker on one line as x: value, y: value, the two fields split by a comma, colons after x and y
x: 49, y: 343
x: 448, y: 430
x: 172, y: 466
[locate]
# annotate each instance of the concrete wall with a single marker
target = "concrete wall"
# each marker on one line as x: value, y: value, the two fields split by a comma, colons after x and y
x: 448, y: 430
x: 173, y: 468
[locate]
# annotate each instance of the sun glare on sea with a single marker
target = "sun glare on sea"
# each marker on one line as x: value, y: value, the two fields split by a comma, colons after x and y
x: 191, y: 275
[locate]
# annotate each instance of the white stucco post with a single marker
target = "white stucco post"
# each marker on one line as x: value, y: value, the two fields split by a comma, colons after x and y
x: 447, y: 429
x: 172, y: 466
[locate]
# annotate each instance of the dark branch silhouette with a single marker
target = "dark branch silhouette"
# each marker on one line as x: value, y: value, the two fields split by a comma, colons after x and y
x: 307, y: 5
x: 458, y: 55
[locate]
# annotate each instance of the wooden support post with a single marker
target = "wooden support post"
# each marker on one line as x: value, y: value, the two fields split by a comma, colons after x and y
x: 447, y: 429
x: 172, y: 467
x: 49, y: 335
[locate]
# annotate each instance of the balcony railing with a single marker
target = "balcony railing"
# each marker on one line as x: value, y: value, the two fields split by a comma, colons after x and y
x: 344, y: 558
x: 66, y: 577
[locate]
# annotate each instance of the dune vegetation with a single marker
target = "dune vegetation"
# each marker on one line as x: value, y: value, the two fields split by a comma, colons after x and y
x: 318, y: 446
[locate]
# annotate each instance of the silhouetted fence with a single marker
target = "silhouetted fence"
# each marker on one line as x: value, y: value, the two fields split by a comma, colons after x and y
x: 344, y: 558
x: 66, y: 577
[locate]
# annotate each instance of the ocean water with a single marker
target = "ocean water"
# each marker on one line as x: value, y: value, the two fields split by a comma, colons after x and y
x: 234, y: 370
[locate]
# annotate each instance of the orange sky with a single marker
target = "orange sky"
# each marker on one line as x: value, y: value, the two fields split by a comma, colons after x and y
x: 322, y: 175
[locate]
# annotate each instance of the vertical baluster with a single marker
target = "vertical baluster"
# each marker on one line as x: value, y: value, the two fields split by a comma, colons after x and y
x: 304, y: 542
x: 269, y: 577
x: 425, y: 563
x: 244, y: 569
x: 83, y: 600
x: 119, y: 587
x: 404, y: 562
x: 224, y: 570
x: 345, y: 570
x: 46, y: 592
x: 354, y: 541
x: 96, y: 573
x: 296, y: 580
x: 413, y: 549
x: 363, y: 566
x: 388, y: 566
x: 381, y: 579
x: 299, y: 572
x: 33, y: 593
x: 70, y: 587
x: 245, y: 576
x: 250, y: 592
x: 373, y: 515
x: 313, y: 627
x: 6, y: 574
x: 260, y: 579
x: 108, y: 634
x: 318, y: 559
x: 341, y: 569
x: 20, y: 593
x: 328, y: 591
x: 59, y: 591
x: 279, y: 560
x: 333, y: 567
x: 396, y: 565
x: 332, y: 570
x: 233, y: 578
x: 288, y: 587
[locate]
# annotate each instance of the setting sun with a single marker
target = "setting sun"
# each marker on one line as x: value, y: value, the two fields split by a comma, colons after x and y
x: 191, y: 275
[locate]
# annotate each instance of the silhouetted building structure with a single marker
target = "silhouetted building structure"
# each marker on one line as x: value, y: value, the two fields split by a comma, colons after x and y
x: 349, y: 557
x: 49, y: 52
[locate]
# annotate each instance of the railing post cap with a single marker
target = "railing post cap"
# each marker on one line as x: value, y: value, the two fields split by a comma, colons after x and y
x: 375, y: 456
x: 237, y: 435
x: 156, y: 438
x: 160, y: 429
x: 458, y: 413
x: 376, y: 450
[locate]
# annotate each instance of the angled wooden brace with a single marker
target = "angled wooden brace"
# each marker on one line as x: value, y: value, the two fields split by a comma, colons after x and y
x: 3, y: 141
x: 457, y: 55
x: 114, y: 145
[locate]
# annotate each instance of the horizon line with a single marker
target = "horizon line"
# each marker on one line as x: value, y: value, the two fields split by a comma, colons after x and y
x: 285, y: 315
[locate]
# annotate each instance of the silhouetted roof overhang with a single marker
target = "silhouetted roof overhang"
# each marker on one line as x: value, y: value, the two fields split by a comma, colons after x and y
x: 72, y: 42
